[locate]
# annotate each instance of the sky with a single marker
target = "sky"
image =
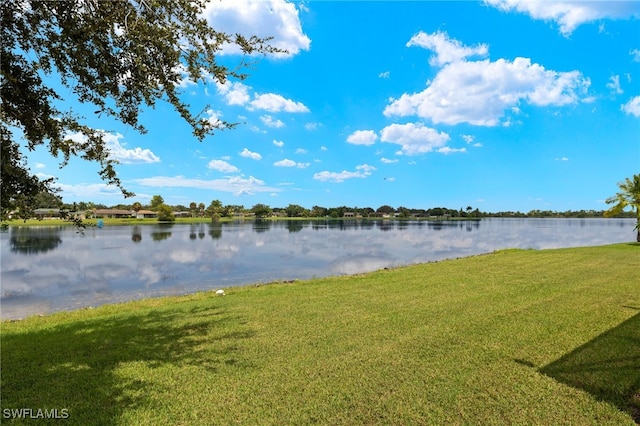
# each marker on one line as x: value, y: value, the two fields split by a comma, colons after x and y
x: 497, y: 104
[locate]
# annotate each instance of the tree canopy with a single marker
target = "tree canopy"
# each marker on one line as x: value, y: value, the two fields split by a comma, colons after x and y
x: 119, y: 56
x: 628, y: 196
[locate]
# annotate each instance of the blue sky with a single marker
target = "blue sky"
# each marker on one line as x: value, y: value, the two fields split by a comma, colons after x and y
x: 500, y: 105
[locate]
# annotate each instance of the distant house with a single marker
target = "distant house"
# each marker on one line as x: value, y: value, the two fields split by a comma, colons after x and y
x: 380, y: 214
x: 112, y: 213
x: 47, y: 213
x: 349, y: 214
x: 78, y: 215
x: 181, y: 214
x: 146, y: 214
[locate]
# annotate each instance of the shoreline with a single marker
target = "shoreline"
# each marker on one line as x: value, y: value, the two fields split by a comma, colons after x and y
x: 117, y: 222
x: 257, y: 284
x: 186, y: 221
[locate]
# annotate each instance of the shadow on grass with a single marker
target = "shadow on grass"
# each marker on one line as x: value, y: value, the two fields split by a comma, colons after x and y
x: 608, y: 367
x: 77, y: 366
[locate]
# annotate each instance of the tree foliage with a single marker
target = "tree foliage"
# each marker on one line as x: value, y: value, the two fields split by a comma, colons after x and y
x: 386, y: 209
x: 214, y: 210
x: 119, y: 56
x: 296, y: 210
x: 628, y: 196
x: 165, y: 214
x: 156, y: 202
x: 261, y: 210
x: 45, y: 200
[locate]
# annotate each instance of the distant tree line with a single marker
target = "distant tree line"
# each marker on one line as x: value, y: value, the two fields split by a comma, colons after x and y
x: 216, y: 210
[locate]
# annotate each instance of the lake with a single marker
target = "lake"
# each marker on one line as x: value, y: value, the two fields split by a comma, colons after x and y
x: 48, y: 269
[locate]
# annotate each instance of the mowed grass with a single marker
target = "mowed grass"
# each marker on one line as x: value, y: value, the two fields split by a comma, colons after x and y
x: 514, y: 337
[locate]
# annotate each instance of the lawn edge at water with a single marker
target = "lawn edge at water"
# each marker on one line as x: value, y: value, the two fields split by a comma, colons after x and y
x: 205, y: 294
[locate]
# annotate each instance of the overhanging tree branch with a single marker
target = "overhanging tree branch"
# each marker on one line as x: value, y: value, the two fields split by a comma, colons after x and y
x: 120, y: 56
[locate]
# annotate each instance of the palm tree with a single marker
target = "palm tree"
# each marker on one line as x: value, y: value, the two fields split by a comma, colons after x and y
x: 214, y: 210
x: 629, y: 196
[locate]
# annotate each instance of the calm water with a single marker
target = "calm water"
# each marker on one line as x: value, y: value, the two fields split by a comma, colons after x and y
x: 50, y: 269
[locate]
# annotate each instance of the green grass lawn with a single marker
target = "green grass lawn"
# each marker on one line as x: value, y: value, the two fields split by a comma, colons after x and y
x: 515, y: 337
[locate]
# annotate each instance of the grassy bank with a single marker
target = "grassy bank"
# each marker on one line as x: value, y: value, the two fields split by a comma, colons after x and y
x: 514, y: 337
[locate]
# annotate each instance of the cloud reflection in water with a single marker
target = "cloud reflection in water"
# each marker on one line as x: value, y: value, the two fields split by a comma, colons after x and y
x: 54, y: 268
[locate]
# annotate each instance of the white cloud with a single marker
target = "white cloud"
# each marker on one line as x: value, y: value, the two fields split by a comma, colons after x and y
x: 324, y: 148
x: 312, y: 126
x: 570, y: 14
x: 562, y: 159
x: 279, y: 144
x: 222, y: 166
x: 448, y: 150
x: 268, y: 121
x: 301, y: 151
x: 264, y: 18
x: 385, y: 74
x: 447, y: 50
x: 632, y: 107
x: 117, y: 150
x: 388, y: 161
x: 234, y: 92
x: 285, y: 163
x: 290, y: 163
x: 237, y: 93
x: 248, y: 154
x: 614, y: 84
x: 362, y: 137
x: 362, y: 171
x: 235, y: 185
x: 635, y: 54
x: 91, y: 191
x: 40, y: 165
x: 480, y: 92
x: 213, y: 118
x: 414, y: 138
x: 469, y: 139
x: 273, y: 102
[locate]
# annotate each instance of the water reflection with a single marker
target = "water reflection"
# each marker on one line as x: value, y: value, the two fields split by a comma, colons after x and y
x: 295, y: 225
x: 196, y: 231
x: 262, y: 225
x: 41, y: 274
x: 215, y: 231
x: 24, y: 241
x: 161, y: 231
x: 136, y: 234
